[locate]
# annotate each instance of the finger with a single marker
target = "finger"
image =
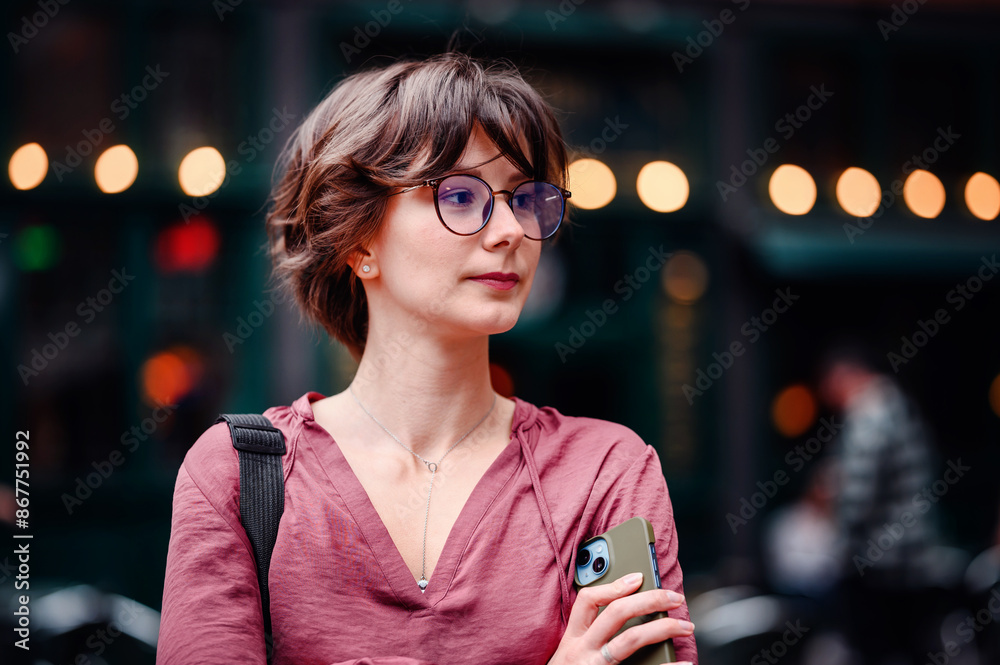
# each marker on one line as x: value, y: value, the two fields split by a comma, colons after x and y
x: 589, y: 599
x: 614, y: 616
x: 653, y: 632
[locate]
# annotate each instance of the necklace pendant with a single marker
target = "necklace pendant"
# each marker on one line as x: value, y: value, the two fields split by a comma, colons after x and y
x: 432, y: 466
x: 422, y: 584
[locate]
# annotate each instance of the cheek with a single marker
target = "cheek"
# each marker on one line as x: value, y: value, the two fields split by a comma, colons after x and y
x: 425, y: 264
x: 415, y: 247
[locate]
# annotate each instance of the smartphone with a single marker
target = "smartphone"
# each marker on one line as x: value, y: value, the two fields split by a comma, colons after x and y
x: 627, y: 548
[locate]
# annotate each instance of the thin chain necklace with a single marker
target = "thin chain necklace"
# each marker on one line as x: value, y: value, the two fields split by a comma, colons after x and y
x: 432, y: 466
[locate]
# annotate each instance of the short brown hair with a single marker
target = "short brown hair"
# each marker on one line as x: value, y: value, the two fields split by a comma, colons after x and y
x: 381, y: 128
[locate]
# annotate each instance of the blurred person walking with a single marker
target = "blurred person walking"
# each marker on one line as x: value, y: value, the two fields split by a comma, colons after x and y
x: 886, y: 523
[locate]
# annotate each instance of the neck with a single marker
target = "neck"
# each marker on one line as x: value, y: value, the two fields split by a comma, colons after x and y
x: 427, y: 391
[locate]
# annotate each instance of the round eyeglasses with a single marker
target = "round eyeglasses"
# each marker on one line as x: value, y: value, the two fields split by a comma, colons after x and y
x: 464, y: 204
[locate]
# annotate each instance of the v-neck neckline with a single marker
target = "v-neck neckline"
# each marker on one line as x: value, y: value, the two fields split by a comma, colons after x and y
x: 369, y: 522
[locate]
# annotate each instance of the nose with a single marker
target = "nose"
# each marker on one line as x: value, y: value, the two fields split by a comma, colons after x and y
x: 503, y: 225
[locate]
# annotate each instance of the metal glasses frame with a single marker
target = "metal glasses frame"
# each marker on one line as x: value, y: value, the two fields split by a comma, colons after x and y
x: 436, y: 182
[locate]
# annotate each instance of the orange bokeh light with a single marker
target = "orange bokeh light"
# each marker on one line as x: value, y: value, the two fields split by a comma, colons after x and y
x: 982, y: 196
x: 793, y: 410
x: 169, y: 375
x: 924, y: 194
x: 994, y: 395
x: 792, y: 189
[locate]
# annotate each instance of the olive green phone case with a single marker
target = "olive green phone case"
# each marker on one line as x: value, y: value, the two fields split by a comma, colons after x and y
x: 629, y: 552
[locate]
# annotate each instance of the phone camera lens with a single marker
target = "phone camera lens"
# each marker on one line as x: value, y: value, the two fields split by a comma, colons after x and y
x: 599, y: 563
x: 583, y: 558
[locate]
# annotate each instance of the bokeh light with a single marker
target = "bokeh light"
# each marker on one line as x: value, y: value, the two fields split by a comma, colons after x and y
x: 994, y: 395
x: 982, y: 196
x: 924, y: 194
x: 662, y: 186
x: 36, y: 248
x: 202, y: 171
x: 190, y: 246
x: 858, y: 192
x: 685, y: 277
x: 793, y: 410
x: 116, y: 169
x: 592, y: 183
x: 169, y: 375
x: 28, y: 166
x: 792, y: 189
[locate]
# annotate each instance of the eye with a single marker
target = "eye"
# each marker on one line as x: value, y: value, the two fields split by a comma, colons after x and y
x: 523, y: 200
x: 457, y: 197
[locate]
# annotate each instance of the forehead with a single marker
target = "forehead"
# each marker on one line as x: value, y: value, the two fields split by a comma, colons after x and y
x: 480, y: 151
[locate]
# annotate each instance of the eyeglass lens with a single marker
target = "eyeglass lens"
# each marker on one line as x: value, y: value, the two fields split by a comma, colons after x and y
x: 465, y: 203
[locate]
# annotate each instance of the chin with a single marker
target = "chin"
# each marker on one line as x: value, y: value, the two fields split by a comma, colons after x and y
x: 484, y: 316
x: 497, y: 323
x: 502, y: 325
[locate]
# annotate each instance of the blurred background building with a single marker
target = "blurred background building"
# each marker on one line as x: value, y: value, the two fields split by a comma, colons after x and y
x: 753, y: 181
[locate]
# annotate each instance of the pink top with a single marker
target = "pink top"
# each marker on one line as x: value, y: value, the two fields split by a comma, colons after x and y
x: 341, y: 592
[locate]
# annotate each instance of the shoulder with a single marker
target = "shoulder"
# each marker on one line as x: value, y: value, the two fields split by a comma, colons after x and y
x: 584, y: 445
x: 213, y: 461
x: 587, y: 432
x: 598, y: 470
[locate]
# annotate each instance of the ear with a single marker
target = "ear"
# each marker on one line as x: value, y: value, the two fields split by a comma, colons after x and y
x: 362, y: 257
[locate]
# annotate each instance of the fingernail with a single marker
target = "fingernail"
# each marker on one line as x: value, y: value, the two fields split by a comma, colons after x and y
x: 674, y: 596
x: 686, y: 625
x: 632, y: 578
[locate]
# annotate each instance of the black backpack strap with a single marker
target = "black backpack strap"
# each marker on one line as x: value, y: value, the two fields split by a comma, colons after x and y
x: 260, y: 446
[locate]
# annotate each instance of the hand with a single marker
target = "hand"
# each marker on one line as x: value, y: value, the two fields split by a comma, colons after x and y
x: 586, y: 631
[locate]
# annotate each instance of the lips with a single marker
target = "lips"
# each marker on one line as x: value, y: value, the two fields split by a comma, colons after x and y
x: 501, y: 281
x: 498, y: 276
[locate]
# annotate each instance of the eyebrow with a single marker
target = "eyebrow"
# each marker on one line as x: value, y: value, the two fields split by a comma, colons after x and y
x: 519, y: 177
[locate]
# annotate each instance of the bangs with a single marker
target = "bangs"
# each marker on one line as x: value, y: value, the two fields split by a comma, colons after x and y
x: 437, y: 108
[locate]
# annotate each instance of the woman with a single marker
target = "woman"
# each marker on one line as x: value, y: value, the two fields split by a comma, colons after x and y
x: 391, y: 548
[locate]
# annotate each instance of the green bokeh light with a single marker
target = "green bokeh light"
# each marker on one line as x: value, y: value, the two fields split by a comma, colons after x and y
x: 36, y: 248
